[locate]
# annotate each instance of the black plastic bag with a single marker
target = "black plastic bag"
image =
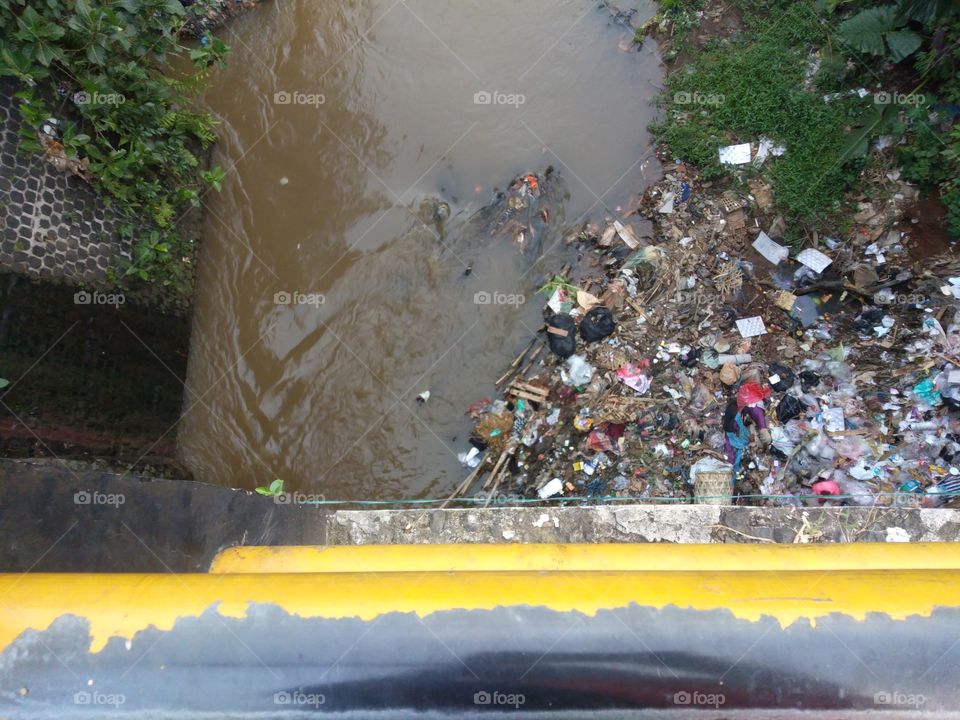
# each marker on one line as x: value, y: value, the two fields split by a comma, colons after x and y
x: 562, y: 345
x: 597, y: 324
x: 809, y: 379
x: 789, y: 408
x: 786, y: 377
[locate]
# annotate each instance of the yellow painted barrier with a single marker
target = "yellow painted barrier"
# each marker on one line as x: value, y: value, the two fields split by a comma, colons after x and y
x: 787, y: 583
x: 613, y: 557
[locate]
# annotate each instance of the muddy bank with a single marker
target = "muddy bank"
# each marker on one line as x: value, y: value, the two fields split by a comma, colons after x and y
x: 204, y: 16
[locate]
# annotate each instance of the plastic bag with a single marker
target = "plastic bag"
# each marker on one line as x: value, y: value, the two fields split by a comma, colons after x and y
x: 597, y: 324
x: 562, y: 345
x: 789, y: 408
x: 579, y: 371
x: 751, y: 393
x: 781, y: 377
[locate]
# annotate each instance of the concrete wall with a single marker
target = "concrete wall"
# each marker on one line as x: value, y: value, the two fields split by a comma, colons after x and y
x: 54, y: 519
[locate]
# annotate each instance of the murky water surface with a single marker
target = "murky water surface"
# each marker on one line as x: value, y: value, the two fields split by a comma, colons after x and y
x: 343, y: 124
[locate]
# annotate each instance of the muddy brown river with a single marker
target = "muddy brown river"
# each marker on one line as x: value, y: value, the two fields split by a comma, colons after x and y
x: 327, y: 301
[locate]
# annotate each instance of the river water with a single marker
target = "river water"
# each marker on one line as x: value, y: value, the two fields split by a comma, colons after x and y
x: 343, y: 124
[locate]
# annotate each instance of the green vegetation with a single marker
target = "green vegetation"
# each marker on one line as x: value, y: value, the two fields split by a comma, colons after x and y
x: 772, y: 78
x: 758, y: 83
x: 98, y: 67
x: 274, y: 489
x: 555, y: 283
x: 677, y: 17
x: 930, y: 156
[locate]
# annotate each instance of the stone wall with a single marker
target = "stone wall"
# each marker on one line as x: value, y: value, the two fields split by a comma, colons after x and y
x: 52, y: 227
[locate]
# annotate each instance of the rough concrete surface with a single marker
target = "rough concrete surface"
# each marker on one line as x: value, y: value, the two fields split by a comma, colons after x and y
x: 644, y: 523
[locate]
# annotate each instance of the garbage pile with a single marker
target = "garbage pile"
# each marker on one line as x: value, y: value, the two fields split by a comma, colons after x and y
x: 709, y: 362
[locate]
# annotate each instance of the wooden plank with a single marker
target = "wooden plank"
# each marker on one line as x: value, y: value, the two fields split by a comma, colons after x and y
x: 527, y: 396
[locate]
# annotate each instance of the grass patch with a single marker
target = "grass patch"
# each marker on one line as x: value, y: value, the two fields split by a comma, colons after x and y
x: 754, y: 85
x: 678, y: 18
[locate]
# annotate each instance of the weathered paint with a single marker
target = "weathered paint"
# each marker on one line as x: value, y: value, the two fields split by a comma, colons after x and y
x: 788, y: 584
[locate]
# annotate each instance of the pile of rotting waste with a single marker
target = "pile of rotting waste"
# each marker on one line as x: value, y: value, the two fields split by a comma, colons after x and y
x: 706, y: 361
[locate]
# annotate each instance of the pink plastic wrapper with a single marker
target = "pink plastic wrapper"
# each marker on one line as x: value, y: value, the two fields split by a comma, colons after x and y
x: 632, y: 376
x: 826, y: 487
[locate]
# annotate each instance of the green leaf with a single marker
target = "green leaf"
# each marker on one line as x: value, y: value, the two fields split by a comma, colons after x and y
x: 274, y: 489
x: 3, y: 383
x: 97, y: 55
x: 872, y: 124
x: 903, y: 43
x: 44, y: 53
x: 865, y: 30
x: 928, y: 12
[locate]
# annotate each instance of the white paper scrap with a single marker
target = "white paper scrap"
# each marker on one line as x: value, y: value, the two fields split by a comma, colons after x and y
x: 554, y: 487
x: 735, y: 154
x: 766, y: 148
x: 626, y: 234
x: 814, y: 259
x: 558, y: 299
x: 751, y: 326
x: 772, y: 251
x: 667, y: 206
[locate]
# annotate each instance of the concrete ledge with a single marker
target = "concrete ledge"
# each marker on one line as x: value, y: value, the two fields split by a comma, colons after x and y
x: 177, y: 526
x: 643, y: 523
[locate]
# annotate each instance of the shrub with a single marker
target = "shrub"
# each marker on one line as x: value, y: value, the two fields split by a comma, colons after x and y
x: 98, y: 67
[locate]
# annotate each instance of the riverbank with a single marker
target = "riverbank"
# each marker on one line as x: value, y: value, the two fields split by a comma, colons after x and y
x: 785, y: 335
